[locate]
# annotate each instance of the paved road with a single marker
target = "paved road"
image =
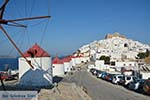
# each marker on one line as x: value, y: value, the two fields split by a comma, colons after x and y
x: 102, y: 90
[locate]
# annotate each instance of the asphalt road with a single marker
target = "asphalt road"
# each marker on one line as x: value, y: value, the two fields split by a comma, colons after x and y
x: 99, y: 89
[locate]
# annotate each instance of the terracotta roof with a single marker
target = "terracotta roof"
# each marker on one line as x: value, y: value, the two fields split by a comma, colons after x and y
x: 56, y: 60
x: 66, y: 59
x: 78, y: 56
x: 73, y: 56
x: 36, y: 51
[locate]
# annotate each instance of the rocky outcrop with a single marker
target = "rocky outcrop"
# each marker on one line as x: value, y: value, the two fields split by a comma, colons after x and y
x: 116, y: 34
x: 147, y: 60
x: 64, y: 91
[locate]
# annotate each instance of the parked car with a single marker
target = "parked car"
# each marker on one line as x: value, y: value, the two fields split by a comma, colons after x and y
x: 98, y: 72
x: 136, y: 85
x: 102, y: 75
x: 122, y: 80
x: 129, y: 79
x: 95, y: 72
x: 92, y: 70
x: 4, y: 76
x: 109, y: 77
x: 117, y: 78
x: 146, y: 86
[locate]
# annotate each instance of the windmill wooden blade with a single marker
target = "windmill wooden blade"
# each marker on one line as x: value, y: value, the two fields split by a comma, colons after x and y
x: 30, y: 18
x: 2, y: 83
x: 16, y: 24
x: 2, y: 9
x: 13, y: 43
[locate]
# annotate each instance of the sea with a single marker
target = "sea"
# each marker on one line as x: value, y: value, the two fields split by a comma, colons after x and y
x: 8, y: 63
x: 12, y: 63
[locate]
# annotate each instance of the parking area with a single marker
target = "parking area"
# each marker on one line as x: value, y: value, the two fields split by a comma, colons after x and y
x: 99, y: 89
x: 131, y: 83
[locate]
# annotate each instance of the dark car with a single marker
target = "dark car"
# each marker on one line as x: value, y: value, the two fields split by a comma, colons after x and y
x: 109, y: 77
x: 136, y: 85
x: 122, y: 80
x: 146, y: 87
x: 103, y: 74
x: 98, y: 72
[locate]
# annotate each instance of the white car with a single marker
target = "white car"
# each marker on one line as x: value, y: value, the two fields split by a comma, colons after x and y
x: 117, y: 78
x: 129, y: 79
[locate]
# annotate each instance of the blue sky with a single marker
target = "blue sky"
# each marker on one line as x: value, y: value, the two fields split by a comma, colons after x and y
x: 78, y: 22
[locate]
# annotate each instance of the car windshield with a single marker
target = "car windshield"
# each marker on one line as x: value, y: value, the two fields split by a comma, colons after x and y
x: 128, y: 78
x: 119, y: 76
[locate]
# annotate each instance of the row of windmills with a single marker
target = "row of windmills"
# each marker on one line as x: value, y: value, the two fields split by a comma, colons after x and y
x: 44, y: 67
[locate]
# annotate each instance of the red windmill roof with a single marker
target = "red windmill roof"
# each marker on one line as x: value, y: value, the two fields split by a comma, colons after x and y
x: 36, y: 51
x: 56, y: 60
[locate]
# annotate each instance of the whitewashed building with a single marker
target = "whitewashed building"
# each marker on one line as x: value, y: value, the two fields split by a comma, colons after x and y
x: 145, y: 75
x: 85, y: 59
x: 129, y: 65
x: 78, y: 60
x: 58, y: 67
x: 73, y: 61
x: 41, y: 74
x: 117, y: 47
x: 99, y: 64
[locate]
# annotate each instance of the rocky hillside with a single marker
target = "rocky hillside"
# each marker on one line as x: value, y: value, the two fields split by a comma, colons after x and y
x: 64, y: 91
x: 116, y: 34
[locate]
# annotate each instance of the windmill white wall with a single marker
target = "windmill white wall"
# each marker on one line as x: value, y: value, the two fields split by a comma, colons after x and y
x: 41, y: 75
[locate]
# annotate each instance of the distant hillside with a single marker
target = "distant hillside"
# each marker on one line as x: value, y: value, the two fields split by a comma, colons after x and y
x: 116, y: 46
x: 4, y: 56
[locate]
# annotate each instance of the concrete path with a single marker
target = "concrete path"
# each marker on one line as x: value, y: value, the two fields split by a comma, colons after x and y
x: 99, y: 89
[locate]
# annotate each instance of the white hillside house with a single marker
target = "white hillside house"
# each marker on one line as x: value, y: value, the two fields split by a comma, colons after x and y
x: 99, y: 64
x: 117, y: 47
